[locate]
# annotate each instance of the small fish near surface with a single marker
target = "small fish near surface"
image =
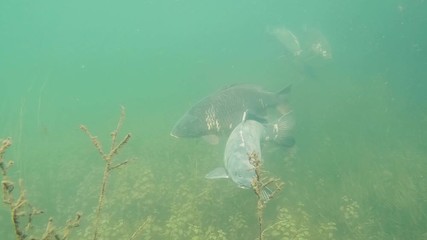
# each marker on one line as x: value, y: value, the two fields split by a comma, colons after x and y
x: 287, y: 39
x: 316, y: 44
x: 243, y: 141
x: 218, y: 114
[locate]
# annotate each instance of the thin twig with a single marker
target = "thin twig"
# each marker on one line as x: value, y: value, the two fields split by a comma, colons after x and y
x: 94, y: 140
x: 258, y: 184
x: 118, y: 128
x: 140, y: 228
x: 119, y: 165
x: 108, y: 158
x: 115, y: 150
x: 50, y: 230
x: 21, y: 207
x: 71, y: 224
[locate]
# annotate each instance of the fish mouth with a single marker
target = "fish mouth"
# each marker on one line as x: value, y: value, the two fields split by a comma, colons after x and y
x: 173, y: 135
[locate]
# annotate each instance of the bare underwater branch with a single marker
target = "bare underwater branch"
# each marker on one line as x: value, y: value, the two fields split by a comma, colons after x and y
x: 22, y: 211
x: 108, y: 158
x: 259, y: 185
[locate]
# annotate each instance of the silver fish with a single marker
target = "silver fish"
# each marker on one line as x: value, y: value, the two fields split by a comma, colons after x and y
x: 317, y: 43
x: 287, y: 39
x: 219, y: 113
x: 244, y: 140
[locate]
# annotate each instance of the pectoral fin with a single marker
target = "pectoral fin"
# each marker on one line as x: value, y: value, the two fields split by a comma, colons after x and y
x: 280, y: 130
x: 217, y: 173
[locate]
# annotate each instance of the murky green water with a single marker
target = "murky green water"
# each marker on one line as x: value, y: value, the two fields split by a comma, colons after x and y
x: 358, y: 170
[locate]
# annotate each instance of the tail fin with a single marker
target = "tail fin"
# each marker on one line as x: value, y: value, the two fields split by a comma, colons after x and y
x: 280, y: 131
x: 285, y: 91
x: 283, y: 105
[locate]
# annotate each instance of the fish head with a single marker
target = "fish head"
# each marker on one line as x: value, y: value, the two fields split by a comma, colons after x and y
x: 242, y: 173
x: 243, y: 179
x: 189, y: 126
x: 322, y: 50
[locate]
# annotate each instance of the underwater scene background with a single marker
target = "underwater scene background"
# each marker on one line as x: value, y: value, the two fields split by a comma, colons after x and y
x: 358, y: 169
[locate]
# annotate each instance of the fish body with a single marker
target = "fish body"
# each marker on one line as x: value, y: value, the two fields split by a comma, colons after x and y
x: 287, y: 39
x: 245, y: 141
x: 218, y: 114
x: 317, y: 45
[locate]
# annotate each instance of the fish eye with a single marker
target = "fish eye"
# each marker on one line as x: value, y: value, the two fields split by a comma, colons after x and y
x: 238, y: 175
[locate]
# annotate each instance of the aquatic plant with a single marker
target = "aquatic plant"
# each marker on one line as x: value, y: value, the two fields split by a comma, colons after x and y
x: 374, y: 194
x: 22, y: 211
x: 259, y: 184
x: 289, y: 225
x: 108, y: 158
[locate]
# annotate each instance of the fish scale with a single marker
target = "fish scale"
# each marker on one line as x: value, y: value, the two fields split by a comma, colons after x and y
x: 218, y: 113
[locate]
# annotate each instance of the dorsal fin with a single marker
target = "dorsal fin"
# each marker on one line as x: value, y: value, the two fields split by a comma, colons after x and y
x: 250, y: 115
x: 243, y: 85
